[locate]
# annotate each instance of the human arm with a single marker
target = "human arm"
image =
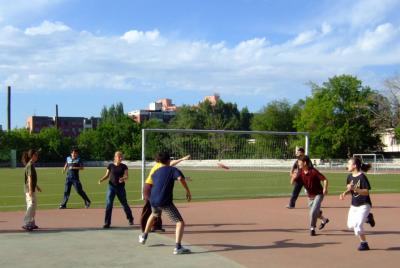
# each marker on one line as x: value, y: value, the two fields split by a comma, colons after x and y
x: 125, y: 177
x: 105, y: 176
x: 65, y: 168
x: 176, y: 162
x: 325, y: 186
x: 30, y: 186
x: 184, y: 184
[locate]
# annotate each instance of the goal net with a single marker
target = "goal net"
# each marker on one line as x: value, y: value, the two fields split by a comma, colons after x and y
x: 240, y: 163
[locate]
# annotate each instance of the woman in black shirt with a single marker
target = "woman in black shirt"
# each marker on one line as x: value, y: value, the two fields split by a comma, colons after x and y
x: 117, y: 172
x: 358, y: 186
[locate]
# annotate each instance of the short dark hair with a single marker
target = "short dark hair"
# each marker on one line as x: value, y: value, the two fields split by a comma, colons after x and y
x: 163, y: 157
x: 301, y: 149
x: 305, y: 159
x: 74, y: 149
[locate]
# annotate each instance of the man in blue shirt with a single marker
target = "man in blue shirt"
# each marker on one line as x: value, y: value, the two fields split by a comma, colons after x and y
x: 73, y: 164
x: 161, y: 199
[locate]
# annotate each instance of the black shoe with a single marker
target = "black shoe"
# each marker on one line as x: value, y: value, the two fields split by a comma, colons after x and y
x: 87, y: 204
x: 27, y: 228
x: 62, y: 207
x: 106, y: 226
x: 371, y: 220
x: 363, y: 246
x: 312, y: 233
x: 131, y: 222
x: 289, y: 207
x: 322, y: 225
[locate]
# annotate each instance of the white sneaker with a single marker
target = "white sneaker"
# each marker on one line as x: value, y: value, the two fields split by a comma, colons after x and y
x: 182, y: 250
x: 142, y: 240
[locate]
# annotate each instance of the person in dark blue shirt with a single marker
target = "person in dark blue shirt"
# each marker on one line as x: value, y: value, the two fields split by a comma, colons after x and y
x: 117, y: 173
x: 161, y: 199
x: 73, y: 165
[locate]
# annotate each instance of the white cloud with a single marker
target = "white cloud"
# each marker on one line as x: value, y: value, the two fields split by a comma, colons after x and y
x: 147, y: 60
x: 46, y: 28
x: 365, y: 12
x: 136, y: 36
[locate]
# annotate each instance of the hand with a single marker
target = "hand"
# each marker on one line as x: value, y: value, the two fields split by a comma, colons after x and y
x: 121, y: 180
x: 63, y: 171
x: 99, y: 182
x: 38, y: 188
x: 188, y: 196
x: 30, y: 194
x: 342, y: 196
x: 186, y: 157
x: 325, y: 191
x: 350, y: 186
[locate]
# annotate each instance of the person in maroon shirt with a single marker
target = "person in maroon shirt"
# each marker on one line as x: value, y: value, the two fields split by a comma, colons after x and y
x: 311, y: 178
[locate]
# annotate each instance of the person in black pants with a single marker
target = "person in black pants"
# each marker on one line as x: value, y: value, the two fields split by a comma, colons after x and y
x: 73, y: 164
x: 117, y: 172
x: 297, y: 185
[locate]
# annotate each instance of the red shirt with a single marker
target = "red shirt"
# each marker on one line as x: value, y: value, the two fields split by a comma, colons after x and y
x: 312, y: 181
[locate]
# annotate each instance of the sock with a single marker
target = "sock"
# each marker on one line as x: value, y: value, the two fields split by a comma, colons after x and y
x: 323, y: 219
x: 312, y: 228
x: 178, y: 245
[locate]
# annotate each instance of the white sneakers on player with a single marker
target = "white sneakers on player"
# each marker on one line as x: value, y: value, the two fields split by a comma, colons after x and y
x: 182, y: 250
x: 142, y: 240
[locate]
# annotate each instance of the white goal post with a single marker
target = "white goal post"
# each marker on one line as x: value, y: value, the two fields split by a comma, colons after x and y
x: 373, y: 159
x: 239, y: 149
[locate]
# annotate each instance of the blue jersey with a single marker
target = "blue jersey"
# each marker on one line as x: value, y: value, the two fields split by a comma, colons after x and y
x: 73, y: 173
x: 163, y: 186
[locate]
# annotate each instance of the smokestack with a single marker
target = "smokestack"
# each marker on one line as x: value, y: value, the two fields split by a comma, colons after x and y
x: 56, y: 119
x: 9, y: 108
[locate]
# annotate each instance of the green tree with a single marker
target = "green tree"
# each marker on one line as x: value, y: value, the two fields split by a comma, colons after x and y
x: 339, y: 117
x: 276, y: 116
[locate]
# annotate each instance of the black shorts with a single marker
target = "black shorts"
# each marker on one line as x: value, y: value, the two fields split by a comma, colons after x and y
x: 171, y: 211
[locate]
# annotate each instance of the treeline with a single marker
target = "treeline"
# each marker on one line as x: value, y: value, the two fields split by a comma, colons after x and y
x: 342, y: 115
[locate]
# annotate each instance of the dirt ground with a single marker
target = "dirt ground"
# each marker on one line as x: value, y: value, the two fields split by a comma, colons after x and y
x: 249, y: 233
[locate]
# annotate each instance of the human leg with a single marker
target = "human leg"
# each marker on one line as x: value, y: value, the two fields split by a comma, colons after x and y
x: 121, y: 194
x: 109, y: 206
x: 295, y: 194
x: 67, y: 192
x: 79, y: 189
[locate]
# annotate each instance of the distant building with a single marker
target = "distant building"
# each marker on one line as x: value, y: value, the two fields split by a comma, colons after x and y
x: 389, y: 141
x: 69, y: 126
x: 212, y: 99
x: 163, y: 110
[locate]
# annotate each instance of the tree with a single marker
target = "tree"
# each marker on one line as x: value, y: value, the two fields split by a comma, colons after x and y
x: 393, y: 88
x: 276, y: 116
x: 339, y: 117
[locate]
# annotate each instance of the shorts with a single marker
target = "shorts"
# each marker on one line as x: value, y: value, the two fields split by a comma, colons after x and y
x: 171, y: 211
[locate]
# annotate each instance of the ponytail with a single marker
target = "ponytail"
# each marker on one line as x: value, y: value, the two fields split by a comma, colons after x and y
x: 27, y: 156
x: 360, y: 165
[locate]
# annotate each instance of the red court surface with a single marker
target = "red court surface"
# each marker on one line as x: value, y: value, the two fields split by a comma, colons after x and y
x: 257, y: 232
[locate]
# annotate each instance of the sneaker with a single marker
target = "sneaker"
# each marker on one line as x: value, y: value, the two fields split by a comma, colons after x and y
x: 322, y: 225
x: 289, y: 207
x: 142, y: 240
x: 87, y: 204
x: 62, y: 207
x: 363, y: 246
x: 182, y: 250
x: 27, y: 228
x: 131, y: 222
x: 312, y: 233
x: 106, y: 226
x: 371, y: 220
x: 34, y: 227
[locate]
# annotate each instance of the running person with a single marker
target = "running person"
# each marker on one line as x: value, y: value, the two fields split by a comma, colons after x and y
x: 358, y: 186
x: 117, y: 172
x: 29, y: 159
x: 73, y: 164
x: 297, y: 184
x: 161, y: 199
x: 146, y: 211
x: 311, y: 179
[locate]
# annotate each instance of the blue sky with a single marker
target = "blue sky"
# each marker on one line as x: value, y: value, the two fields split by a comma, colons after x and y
x: 83, y: 55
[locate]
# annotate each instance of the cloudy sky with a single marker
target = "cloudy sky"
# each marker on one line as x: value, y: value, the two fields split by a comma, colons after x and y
x: 83, y: 55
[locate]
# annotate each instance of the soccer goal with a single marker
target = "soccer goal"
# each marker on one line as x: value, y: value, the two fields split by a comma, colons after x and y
x: 240, y: 162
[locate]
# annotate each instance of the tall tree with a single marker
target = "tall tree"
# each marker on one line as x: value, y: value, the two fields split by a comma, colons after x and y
x: 339, y: 116
x: 276, y: 116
